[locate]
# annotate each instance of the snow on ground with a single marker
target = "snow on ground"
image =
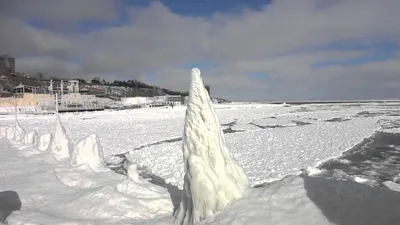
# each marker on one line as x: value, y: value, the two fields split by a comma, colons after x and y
x: 52, y: 192
x: 272, y: 144
x: 153, y: 135
x: 312, y: 201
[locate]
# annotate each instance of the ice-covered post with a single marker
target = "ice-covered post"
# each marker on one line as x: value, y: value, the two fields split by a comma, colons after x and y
x: 19, y: 133
x: 16, y: 108
x: 57, y: 105
x: 213, y: 178
x: 51, y: 87
x: 60, y: 146
x: 62, y: 87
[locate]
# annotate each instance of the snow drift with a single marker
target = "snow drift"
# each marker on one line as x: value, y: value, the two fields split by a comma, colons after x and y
x: 88, y: 151
x: 212, y: 177
x: 60, y: 146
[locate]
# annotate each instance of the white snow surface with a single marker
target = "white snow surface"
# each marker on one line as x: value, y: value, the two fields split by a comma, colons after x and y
x: 53, y: 192
x: 280, y: 203
x: 213, y: 178
x: 266, y: 154
x: 311, y: 201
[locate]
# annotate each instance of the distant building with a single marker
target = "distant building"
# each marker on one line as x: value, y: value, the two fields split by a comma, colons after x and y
x: 6, y: 61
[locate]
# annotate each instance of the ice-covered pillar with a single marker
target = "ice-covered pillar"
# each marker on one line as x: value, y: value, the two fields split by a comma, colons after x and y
x: 56, y: 102
x: 51, y: 87
x: 19, y: 132
x: 69, y: 87
x: 16, y: 108
x: 212, y: 177
x: 61, y: 87
x: 59, y: 146
x: 76, y: 86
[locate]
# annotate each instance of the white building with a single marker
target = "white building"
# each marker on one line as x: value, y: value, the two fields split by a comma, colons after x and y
x: 134, y: 101
x: 165, y: 100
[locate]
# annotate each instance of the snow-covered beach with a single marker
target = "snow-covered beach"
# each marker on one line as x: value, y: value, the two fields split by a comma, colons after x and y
x: 271, y: 142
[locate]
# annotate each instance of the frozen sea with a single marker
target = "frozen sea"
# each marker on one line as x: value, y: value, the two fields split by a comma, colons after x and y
x: 339, y: 142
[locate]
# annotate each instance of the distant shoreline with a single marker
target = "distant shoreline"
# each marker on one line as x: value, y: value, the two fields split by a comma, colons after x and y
x: 329, y: 101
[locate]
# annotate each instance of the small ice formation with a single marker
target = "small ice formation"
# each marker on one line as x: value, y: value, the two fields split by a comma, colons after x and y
x: 19, y: 134
x: 60, y: 146
x: 213, y: 178
x: 88, y: 151
x: 10, y: 133
x: 137, y: 187
x: 44, y: 141
x: 3, y: 131
x: 31, y: 138
x: 132, y: 172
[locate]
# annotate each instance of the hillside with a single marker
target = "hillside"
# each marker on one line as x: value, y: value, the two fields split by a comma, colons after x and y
x: 100, y: 88
x: 117, y: 88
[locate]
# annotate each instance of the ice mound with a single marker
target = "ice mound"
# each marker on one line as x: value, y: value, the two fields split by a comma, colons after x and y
x: 132, y: 172
x: 88, y: 151
x: 392, y: 185
x: 19, y: 134
x: 3, y: 131
x: 10, y: 133
x: 60, y: 146
x: 213, y: 178
x: 44, y: 141
x: 31, y: 138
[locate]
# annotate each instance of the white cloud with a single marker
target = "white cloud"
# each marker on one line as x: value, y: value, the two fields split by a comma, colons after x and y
x: 158, y: 42
x: 61, y: 12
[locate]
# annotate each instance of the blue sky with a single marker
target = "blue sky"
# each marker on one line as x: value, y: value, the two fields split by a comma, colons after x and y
x: 246, y: 49
x: 203, y: 7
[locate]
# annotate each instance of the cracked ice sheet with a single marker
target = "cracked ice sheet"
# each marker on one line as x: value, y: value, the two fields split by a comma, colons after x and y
x: 270, y: 154
x: 53, y: 192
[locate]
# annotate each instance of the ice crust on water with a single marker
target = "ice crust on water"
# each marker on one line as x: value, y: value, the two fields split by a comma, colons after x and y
x: 88, y: 151
x: 60, y: 146
x: 213, y: 178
